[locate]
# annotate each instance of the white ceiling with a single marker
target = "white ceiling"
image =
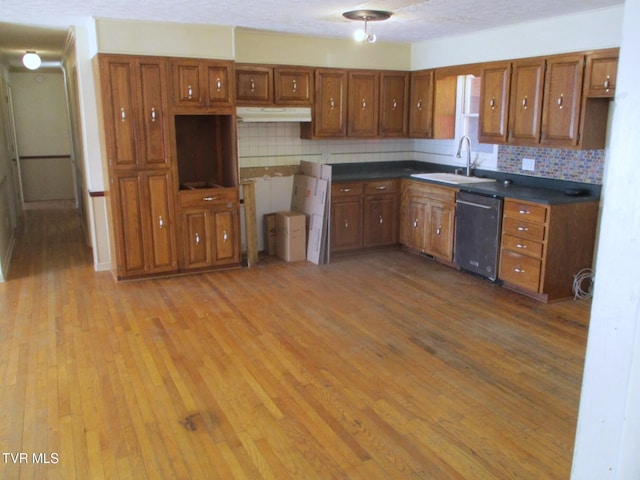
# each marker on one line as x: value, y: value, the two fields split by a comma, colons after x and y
x: 42, y: 24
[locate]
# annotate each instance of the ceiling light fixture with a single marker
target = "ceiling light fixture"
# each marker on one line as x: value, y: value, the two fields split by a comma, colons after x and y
x: 31, y: 60
x: 366, y: 16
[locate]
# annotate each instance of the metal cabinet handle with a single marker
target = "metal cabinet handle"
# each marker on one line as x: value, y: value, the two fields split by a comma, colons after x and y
x: 561, y: 101
x: 419, y: 104
x: 518, y: 270
x: 394, y: 103
x: 523, y: 229
x: 380, y: 219
x: 123, y: 115
x: 332, y: 103
x: 197, y: 238
x: 524, y: 102
x: 253, y: 85
x: 224, y: 235
x: 346, y: 223
x: 439, y: 230
x: 520, y: 245
x: 492, y: 103
x: 381, y: 187
x: 161, y: 221
x: 415, y: 223
x: 153, y: 114
x: 294, y: 86
x: 208, y: 199
x: 218, y: 84
x: 363, y: 103
x: 607, y: 83
x: 524, y: 212
x: 189, y: 92
x: 345, y: 189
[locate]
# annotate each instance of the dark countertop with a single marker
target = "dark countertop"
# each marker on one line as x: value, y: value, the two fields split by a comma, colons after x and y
x: 521, y: 187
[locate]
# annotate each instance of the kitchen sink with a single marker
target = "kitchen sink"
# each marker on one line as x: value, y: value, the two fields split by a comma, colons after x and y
x: 451, y: 178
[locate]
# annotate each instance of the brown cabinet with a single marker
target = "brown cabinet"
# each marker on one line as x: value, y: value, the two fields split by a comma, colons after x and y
x: 329, y: 105
x: 210, y: 228
x: 346, y: 216
x: 394, y: 102
x: 494, y: 102
x: 134, y: 103
x: 363, y: 93
x: 202, y: 84
x: 254, y: 84
x: 142, y: 214
x: 601, y: 73
x: 421, y: 104
x: 293, y: 86
x: 544, y: 246
x: 525, y: 105
x: 561, y: 102
x: 427, y: 218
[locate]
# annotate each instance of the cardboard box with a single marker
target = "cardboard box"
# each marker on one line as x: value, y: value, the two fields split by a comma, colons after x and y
x: 291, y: 242
x: 269, y: 225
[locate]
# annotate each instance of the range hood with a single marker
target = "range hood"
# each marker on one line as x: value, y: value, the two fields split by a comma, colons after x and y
x: 274, y: 114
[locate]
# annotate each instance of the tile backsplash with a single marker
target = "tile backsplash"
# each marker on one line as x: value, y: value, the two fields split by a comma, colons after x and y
x: 277, y: 144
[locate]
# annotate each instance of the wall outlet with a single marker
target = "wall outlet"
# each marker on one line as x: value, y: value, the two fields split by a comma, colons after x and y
x: 528, y: 164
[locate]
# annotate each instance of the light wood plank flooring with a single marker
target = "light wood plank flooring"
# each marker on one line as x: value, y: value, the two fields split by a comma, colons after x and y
x: 378, y: 366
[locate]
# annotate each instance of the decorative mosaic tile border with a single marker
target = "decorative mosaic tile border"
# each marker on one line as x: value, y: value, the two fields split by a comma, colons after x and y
x: 586, y: 166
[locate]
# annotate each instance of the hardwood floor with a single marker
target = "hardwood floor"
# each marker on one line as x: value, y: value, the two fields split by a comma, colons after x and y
x: 378, y: 366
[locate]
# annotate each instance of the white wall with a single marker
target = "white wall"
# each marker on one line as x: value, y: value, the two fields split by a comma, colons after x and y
x: 608, y: 435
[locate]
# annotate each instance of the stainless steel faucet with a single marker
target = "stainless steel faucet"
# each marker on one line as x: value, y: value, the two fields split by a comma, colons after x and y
x: 458, y: 155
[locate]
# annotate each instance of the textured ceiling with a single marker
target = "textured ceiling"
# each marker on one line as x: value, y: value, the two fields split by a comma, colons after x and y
x: 412, y: 20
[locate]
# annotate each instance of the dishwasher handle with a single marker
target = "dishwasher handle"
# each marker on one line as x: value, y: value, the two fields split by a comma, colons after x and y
x: 472, y: 204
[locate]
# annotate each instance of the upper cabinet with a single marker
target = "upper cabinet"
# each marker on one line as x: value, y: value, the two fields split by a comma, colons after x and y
x: 601, y: 73
x: 293, y: 86
x: 421, y: 104
x: 134, y: 92
x: 494, y: 105
x: 254, y: 85
x: 202, y: 84
x: 329, y: 105
x: 561, y: 102
x: 525, y: 105
x: 266, y: 85
x: 363, y: 103
x: 394, y: 101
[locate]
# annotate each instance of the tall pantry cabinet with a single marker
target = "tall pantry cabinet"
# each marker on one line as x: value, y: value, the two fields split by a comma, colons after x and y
x: 141, y: 185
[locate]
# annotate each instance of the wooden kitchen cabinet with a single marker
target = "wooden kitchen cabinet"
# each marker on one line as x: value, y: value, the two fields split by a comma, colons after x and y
x: 210, y: 228
x: 421, y: 104
x: 134, y: 103
x: 254, y: 84
x: 427, y: 218
x: 329, y: 105
x: 346, y: 216
x: 562, y: 101
x: 494, y: 102
x: 601, y: 73
x: 200, y: 84
x: 394, y: 102
x: 380, y: 215
x: 363, y: 94
x: 293, y: 86
x: 525, y: 104
x: 144, y: 232
x: 544, y: 246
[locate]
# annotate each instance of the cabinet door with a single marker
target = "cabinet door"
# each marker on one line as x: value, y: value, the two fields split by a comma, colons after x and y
x: 154, y: 121
x: 196, y: 236
x: 346, y: 221
x: 441, y: 222
x: 525, y: 111
x: 415, y: 229
x: 494, y: 102
x: 129, y: 225
x: 293, y: 86
x: 601, y: 74
x: 330, y: 103
x: 363, y: 104
x: 254, y: 85
x: 220, y: 84
x: 444, y: 107
x: 187, y: 83
x: 421, y: 104
x: 394, y: 96
x: 120, y: 111
x: 226, y: 230
x: 380, y: 220
x: 159, y: 204
x: 561, y: 103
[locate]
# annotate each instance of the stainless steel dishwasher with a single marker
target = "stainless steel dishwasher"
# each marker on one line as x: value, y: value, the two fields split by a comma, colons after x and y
x: 477, y: 234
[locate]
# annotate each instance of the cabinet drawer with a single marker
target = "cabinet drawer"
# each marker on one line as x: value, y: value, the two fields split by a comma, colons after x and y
x: 346, y: 189
x: 525, y: 211
x: 381, y: 186
x: 520, y: 270
x: 446, y: 195
x: 518, y: 228
x: 208, y: 196
x: 522, y: 245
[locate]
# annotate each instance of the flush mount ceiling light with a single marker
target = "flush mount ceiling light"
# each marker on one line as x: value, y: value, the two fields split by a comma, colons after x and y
x: 31, y: 60
x: 366, y: 16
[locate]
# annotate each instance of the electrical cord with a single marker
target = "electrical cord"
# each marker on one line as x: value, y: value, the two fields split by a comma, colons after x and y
x: 583, y: 284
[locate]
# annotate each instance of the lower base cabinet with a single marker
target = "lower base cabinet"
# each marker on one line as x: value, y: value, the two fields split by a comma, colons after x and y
x: 210, y: 228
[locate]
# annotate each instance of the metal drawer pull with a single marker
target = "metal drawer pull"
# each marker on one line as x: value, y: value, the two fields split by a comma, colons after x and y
x: 197, y: 239
x: 520, y: 245
x: 253, y: 85
x: 209, y: 199
x: 345, y: 189
x: 523, y: 229
x: 189, y: 92
x: 471, y: 204
x: 294, y: 86
x: 524, y: 212
x: 153, y: 114
x: 518, y: 270
x: 381, y: 187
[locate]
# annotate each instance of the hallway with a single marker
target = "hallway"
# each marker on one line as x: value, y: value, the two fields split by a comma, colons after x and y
x: 378, y: 366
